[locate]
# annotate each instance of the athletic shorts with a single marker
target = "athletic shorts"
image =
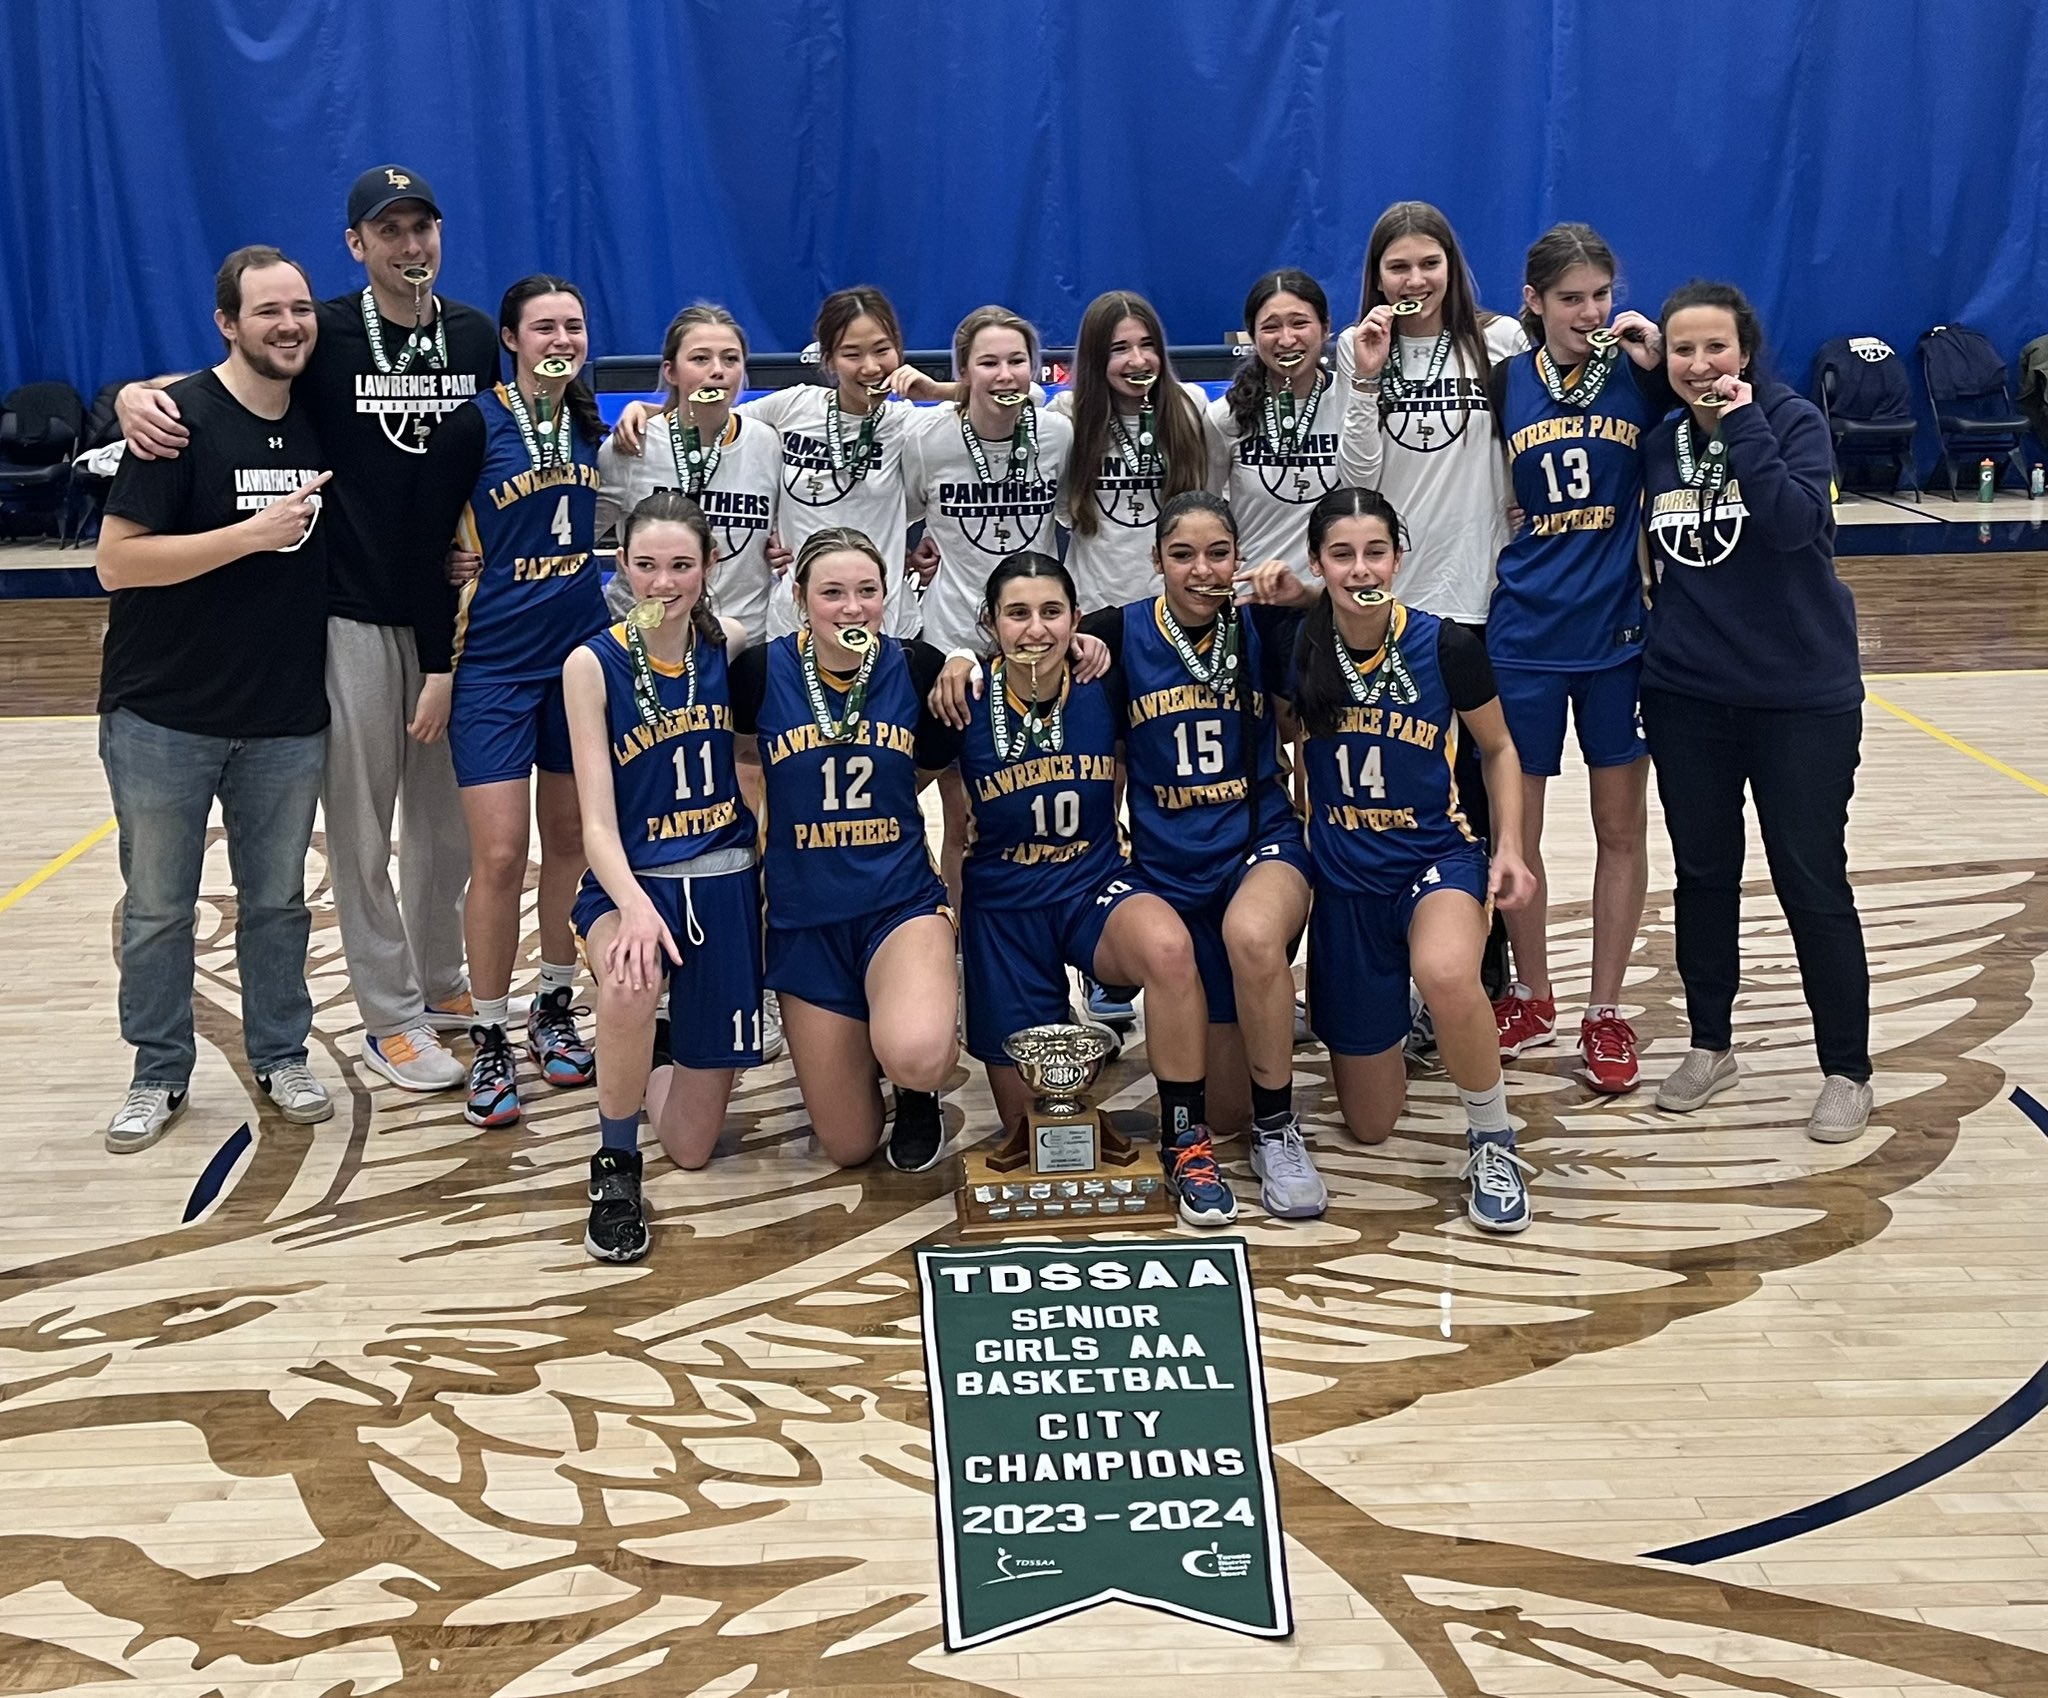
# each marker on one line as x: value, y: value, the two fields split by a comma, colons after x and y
x: 500, y: 730
x: 827, y: 966
x: 1204, y: 917
x: 714, y: 997
x: 1603, y: 706
x: 1013, y: 961
x: 1358, y: 955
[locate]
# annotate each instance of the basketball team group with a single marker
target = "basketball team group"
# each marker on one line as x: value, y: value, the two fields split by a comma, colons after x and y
x: 1200, y: 684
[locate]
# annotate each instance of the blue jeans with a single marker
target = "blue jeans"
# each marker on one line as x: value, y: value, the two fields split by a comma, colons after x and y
x: 164, y: 784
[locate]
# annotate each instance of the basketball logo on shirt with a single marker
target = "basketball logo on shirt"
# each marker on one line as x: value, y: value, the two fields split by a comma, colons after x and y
x: 407, y: 405
x: 1301, y: 476
x: 807, y: 474
x: 1000, y: 519
x: 1433, y: 420
x: 1674, y: 523
x: 738, y: 518
x: 1124, y: 497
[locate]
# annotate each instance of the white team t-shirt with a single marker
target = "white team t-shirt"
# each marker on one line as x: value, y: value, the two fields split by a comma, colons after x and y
x: 815, y: 497
x: 1441, y: 465
x: 1114, y: 566
x: 739, y: 499
x: 1271, y: 490
x: 978, y: 524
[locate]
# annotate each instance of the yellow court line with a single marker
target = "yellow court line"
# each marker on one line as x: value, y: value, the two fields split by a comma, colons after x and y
x: 1974, y: 672
x: 51, y: 869
x: 1957, y: 744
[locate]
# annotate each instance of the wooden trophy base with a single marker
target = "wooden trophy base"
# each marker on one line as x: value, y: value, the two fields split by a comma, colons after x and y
x: 1003, y: 1202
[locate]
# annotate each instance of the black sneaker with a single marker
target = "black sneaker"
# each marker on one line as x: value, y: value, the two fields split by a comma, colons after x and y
x: 663, y: 1055
x: 493, y: 1079
x: 618, y: 1230
x: 920, y: 1130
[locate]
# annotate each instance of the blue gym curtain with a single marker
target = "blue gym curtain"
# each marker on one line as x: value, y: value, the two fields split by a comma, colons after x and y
x: 1868, y: 166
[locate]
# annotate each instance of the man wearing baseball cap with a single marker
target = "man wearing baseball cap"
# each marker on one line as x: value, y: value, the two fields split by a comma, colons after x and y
x: 392, y: 359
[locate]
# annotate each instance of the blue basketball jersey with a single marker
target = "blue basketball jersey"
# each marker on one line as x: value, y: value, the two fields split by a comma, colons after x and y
x: 845, y: 834
x: 673, y: 781
x: 1569, y: 594
x: 1382, y: 801
x: 537, y: 596
x: 1185, y: 749
x: 1042, y: 828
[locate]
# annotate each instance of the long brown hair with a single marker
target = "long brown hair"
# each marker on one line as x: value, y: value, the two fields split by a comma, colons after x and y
x: 1177, y: 424
x: 673, y: 507
x: 703, y: 312
x: 1320, y: 692
x: 577, y: 398
x: 1464, y: 318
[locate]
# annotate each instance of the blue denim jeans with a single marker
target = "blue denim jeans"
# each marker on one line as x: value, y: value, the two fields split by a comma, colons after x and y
x: 164, y: 784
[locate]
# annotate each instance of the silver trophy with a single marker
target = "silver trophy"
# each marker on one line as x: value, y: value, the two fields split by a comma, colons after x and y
x: 1061, y: 1133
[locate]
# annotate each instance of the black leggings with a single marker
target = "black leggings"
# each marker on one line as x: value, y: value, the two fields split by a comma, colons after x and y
x: 1470, y: 776
x: 1801, y: 770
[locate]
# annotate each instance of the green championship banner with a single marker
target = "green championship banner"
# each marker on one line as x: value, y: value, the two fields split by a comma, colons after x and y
x: 1099, y: 1431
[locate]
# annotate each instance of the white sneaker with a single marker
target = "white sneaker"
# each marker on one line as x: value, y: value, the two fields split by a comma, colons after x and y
x: 143, y: 1118
x: 1701, y: 1076
x: 1289, y: 1186
x: 772, y: 1044
x: 414, y: 1060
x: 299, y: 1096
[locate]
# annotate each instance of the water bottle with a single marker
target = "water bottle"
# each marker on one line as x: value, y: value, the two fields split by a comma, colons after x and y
x: 2037, y: 483
x: 1987, y: 479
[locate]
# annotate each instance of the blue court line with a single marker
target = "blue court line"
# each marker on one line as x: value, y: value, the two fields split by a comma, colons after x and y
x: 2001, y: 1423
x: 216, y: 1175
x: 2025, y: 1103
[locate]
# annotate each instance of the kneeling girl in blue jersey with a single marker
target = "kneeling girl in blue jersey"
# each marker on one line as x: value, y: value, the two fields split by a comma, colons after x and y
x: 860, y: 935
x: 1402, y: 886
x: 1046, y: 883
x: 671, y: 901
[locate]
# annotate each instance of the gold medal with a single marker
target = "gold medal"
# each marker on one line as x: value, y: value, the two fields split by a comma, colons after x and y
x: 706, y: 397
x: 1287, y: 362
x: 555, y: 365
x: 1407, y: 308
x: 876, y: 390
x: 1603, y: 337
x: 1215, y: 592
x: 854, y: 638
x: 1711, y: 400
x: 1141, y: 379
x: 646, y: 615
x: 1372, y: 597
x: 419, y: 276
x: 1010, y: 399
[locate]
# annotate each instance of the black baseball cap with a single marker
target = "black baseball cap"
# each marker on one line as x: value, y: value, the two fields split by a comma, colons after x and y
x: 384, y: 185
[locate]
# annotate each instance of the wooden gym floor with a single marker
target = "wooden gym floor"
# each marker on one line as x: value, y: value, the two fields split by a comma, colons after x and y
x: 372, y: 1421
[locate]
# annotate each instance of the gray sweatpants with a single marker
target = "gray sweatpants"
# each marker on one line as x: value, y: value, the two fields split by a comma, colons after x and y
x: 404, y: 947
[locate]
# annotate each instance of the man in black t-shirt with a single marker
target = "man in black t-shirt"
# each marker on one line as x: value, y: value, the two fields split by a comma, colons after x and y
x: 393, y: 360
x: 212, y: 686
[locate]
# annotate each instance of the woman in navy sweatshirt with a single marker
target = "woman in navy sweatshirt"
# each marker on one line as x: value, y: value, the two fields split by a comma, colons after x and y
x: 1751, y: 678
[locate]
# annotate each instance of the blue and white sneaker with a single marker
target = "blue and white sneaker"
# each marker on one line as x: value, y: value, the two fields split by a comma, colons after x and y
x: 1498, y: 1201
x: 1196, y: 1182
x: 1109, y: 1007
x: 1420, y: 1045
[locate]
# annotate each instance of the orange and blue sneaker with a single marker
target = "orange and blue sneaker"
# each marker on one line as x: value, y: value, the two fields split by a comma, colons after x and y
x: 553, y: 1041
x: 493, y: 1079
x: 1196, y: 1182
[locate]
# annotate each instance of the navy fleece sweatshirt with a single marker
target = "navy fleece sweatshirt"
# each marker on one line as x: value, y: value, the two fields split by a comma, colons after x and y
x: 1750, y: 613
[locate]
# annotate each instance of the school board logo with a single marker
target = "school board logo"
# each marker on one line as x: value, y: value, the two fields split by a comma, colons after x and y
x: 1215, y: 1563
x: 1011, y: 1567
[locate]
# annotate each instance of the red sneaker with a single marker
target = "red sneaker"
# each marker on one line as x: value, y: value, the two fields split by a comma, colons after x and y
x: 1607, y: 1050
x: 1525, y: 1022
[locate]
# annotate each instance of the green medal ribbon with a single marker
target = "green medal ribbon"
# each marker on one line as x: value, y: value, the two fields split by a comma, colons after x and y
x: 435, y: 347
x: 1023, y: 446
x: 696, y: 465
x: 841, y: 729
x: 1218, y: 671
x: 1284, y: 426
x: 1394, y: 383
x: 545, y: 446
x: 1141, y: 458
x: 1038, y: 730
x: 1390, y: 679
x: 862, y: 454
x: 1584, y: 388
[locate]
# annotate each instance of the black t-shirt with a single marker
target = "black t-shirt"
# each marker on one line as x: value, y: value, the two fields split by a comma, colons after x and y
x: 240, y: 651
x: 935, y: 744
x: 376, y: 425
